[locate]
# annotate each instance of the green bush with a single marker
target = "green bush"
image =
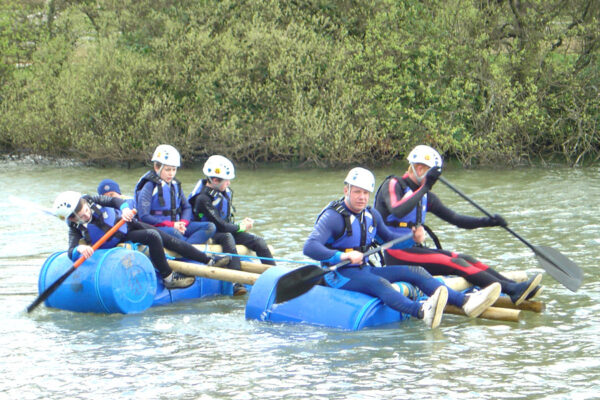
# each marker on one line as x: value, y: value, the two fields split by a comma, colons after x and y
x: 317, y: 82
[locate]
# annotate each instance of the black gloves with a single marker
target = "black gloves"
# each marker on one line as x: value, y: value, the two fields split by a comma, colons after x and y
x: 432, y: 176
x: 496, y: 220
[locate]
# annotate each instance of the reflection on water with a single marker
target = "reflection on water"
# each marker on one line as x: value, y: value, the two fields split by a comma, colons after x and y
x: 207, y: 350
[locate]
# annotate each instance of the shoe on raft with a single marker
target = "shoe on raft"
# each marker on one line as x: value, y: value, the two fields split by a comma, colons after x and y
x: 220, y: 262
x: 535, y: 292
x: 479, y: 301
x: 178, y: 281
x: 524, y: 288
x: 239, y: 289
x: 433, y: 307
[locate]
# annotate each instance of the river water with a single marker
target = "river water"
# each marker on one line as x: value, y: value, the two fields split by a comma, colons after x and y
x: 205, y: 349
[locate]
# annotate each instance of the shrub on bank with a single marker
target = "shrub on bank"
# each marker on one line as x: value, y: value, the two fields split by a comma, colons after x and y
x: 316, y: 82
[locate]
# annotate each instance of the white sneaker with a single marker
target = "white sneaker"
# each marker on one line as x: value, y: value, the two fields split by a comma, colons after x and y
x: 478, y: 302
x: 433, y: 307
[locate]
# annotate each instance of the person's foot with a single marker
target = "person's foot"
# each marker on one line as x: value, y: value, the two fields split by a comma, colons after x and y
x: 239, y: 289
x: 220, y: 262
x: 433, y: 307
x: 479, y: 301
x: 524, y: 288
x: 535, y: 292
x: 178, y: 281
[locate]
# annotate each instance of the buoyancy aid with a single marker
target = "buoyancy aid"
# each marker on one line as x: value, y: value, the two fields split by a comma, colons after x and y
x: 222, y: 201
x: 166, y: 198
x: 359, y: 229
x: 359, y: 234
x: 103, y: 218
x: 416, y: 216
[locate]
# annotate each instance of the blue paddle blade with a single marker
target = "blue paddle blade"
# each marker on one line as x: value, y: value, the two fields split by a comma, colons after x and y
x: 298, y: 282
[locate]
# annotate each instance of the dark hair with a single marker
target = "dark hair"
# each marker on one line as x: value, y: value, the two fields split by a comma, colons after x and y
x: 79, y: 207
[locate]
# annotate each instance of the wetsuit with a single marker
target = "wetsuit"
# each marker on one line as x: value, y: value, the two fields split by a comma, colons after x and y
x: 211, y: 205
x: 134, y: 231
x: 400, y: 214
x: 161, y: 204
x: 330, y: 239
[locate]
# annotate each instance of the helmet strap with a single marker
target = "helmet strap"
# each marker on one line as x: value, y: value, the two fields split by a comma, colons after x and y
x: 417, y: 176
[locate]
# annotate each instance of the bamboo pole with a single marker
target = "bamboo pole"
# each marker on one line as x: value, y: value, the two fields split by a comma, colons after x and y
x: 256, y: 268
x: 222, y: 274
x: 495, y: 313
x: 460, y: 284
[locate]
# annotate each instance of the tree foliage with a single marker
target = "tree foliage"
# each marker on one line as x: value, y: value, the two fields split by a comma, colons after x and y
x: 319, y: 82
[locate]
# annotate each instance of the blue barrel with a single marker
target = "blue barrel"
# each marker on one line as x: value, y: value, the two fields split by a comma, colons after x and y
x: 203, y: 287
x: 116, y: 280
x: 322, y: 306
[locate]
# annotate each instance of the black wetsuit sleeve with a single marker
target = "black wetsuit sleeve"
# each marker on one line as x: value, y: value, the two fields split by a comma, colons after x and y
x: 435, y: 205
x: 107, y: 201
x: 74, y: 237
x: 393, y: 201
x: 203, y: 205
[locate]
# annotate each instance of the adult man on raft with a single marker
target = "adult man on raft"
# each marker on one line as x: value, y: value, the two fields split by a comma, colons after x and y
x: 346, y: 228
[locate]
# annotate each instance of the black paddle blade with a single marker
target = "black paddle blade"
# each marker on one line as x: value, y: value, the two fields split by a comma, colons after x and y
x: 559, y: 267
x: 298, y: 282
x: 49, y: 290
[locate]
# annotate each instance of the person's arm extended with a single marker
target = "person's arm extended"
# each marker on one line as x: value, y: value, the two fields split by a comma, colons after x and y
x: 435, y: 205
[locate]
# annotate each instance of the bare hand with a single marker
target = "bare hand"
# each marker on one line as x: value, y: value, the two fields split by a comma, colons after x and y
x: 355, y: 257
x: 248, y: 223
x: 180, y: 226
x: 128, y: 214
x: 419, y: 234
x: 85, y: 250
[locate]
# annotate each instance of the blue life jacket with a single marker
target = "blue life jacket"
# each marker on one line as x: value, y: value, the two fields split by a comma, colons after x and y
x: 359, y: 234
x: 222, y: 201
x: 403, y: 226
x: 166, y: 199
x: 103, y: 218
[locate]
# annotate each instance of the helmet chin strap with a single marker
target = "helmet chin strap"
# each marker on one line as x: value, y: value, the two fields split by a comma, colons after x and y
x: 419, y: 178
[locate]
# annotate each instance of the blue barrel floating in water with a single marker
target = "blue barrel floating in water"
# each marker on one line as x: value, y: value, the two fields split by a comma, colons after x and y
x: 115, y: 280
x: 203, y: 287
x: 322, y: 305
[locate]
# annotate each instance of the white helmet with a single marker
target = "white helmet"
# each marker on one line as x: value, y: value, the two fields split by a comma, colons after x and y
x: 362, y: 178
x: 220, y: 167
x: 66, y: 204
x: 425, y: 155
x: 166, y: 155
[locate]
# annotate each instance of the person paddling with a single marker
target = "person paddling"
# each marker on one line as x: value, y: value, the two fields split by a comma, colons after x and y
x: 161, y: 202
x: 348, y: 227
x: 90, y: 216
x: 212, y: 201
x: 404, y: 202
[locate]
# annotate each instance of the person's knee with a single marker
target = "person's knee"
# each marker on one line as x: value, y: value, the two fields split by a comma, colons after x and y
x: 468, y: 258
x: 210, y: 229
x: 154, y: 237
x: 461, y: 261
x: 260, y: 243
x: 419, y: 271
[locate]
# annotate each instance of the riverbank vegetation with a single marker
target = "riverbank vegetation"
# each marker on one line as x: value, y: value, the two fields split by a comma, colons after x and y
x: 314, y: 82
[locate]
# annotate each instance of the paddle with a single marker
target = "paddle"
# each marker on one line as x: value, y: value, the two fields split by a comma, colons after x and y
x: 556, y: 264
x: 50, y: 289
x: 301, y: 280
